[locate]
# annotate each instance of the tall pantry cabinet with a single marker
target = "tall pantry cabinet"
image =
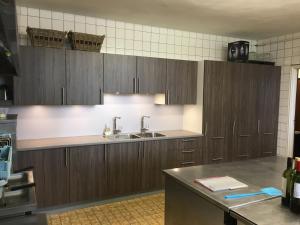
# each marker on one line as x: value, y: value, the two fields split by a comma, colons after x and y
x: 241, y: 104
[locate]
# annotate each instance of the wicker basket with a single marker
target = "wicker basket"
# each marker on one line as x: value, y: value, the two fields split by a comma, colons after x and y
x: 46, y: 37
x: 85, y: 42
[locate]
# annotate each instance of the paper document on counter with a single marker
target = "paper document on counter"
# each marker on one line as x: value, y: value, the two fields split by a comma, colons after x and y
x: 221, y: 183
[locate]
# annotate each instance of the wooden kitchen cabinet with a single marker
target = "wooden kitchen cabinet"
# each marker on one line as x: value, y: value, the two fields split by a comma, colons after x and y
x: 214, y: 111
x: 51, y: 174
x: 181, y: 82
x: 124, y: 168
x: 152, y: 165
x: 241, y: 104
x: 151, y: 75
x: 88, y: 175
x: 120, y: 74
x: 246, y: 141
x: 42, y: 77
x: 84, y: 74
x: 269, y: 91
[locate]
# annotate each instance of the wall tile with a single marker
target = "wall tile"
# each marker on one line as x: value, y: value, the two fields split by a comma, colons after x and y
x: 100, y: 22
x: 138, y: 35
x: 57, y: 15
x: 154, y: 37
x: 146, y: 36
x: 24, y: 11
x: 111, y: 23
x: 45, y: 23
x: 90, y: 29
x: 45, y: 14
x: 111, y: 31
x: 33, y: 21
x: 129, y: 44
x: 69, y: 25
x: 90, y: 20
x: 138, y: 45
x: 79, y: 19
x: 129, y: 34
x: 33, y: 12
x: 120, y: 33
x: 57, y: 25
x: 69, y: 17
x: 80, y: 27
x: 120, y: 43
x: 100, y: 30
x: 154, y: 47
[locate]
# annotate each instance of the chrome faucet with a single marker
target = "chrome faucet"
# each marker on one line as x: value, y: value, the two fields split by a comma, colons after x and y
x: 143, y: 128
x: 115, y: 130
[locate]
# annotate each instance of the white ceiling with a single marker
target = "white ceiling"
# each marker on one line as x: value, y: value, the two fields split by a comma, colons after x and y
x: 240, y: 18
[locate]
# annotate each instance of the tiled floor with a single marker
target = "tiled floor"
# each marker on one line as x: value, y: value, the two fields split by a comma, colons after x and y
x: 138, y: 211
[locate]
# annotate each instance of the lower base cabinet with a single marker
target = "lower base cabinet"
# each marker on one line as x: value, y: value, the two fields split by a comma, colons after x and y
x: 88, y: 176
x: 123, y: 168
x: 97, y: 172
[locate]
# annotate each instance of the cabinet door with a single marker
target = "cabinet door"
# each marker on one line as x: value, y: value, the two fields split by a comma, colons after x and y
x: 152, y: 175
x: 42, y: 77
x: 151, y: 75
x: 120, y: 74
x: 246, y: 136
x: 124, y: 171
x: 51, y: 174
x: 268, y: 109
x: 87, y: 173
x: 181, y: 82
x: 215, y: 112
x: 84, y: 78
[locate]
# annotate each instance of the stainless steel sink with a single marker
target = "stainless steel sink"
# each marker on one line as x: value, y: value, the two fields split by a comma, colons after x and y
x: 150, y: 135
x: 123, y: 136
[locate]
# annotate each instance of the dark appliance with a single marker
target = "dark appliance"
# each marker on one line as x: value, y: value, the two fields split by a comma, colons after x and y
x: 3, y: 92
x: 238, y: 51
x: 9, y: 63
x: 17, y: 193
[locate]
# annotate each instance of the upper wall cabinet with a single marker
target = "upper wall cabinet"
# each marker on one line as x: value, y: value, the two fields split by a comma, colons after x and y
x: 151, y: 75
x: 84, y: 73
x: 59, y: 77
x: 181, y: 82
x: 120, y: 74
x: 42, y: 79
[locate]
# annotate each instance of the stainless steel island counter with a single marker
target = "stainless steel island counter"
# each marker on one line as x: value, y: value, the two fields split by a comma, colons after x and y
x: 190, y: 203
x: 265, y: 213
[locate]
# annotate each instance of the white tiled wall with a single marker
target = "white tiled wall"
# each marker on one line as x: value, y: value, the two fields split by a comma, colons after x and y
x: 285, y: 51
x: 121, y: 38
x: 128, y: 38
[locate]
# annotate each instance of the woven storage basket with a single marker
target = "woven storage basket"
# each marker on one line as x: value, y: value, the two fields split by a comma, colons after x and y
x: 85, y: 42
x: 46, y: 37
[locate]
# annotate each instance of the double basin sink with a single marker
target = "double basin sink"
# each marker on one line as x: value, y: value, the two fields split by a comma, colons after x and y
x: 136, y: 136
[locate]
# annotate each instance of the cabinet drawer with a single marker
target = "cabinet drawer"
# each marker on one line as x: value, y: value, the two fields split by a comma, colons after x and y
x: 189, y: 143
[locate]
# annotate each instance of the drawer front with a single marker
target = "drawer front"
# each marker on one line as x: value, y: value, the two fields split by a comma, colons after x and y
x: 189, y: 157
x: 190, y: 143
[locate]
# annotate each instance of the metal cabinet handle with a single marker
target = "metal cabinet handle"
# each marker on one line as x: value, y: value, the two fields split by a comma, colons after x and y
x: 217, y: 159
x: 217, y: 137
x: 188, y: 140
x: 134, y: 85
x: 205, y: 134
x: 189, y: 151
x: 246, y: 155
x: 187, y: 163
x: 100, y: 96
x: 167, y: 98
x: 258, y: 126
x: 67, y: 157
x: 245, y: 135
x: 138, y: 85
x: 63, y: 95
x: 268, y: 133
x: 233, y: 128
